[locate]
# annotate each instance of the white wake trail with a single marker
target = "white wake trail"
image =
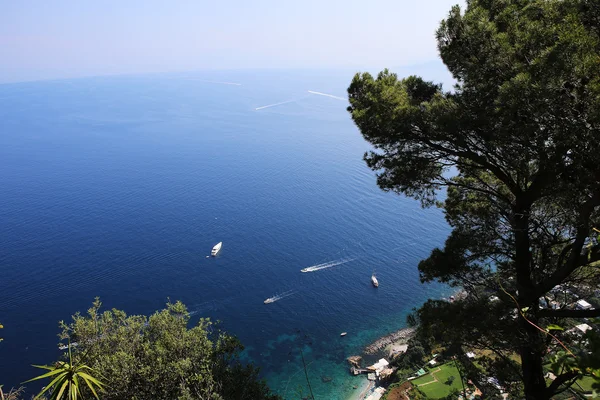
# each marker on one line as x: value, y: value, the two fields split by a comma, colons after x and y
x: 217, y: 82
x: 326, y: 95
x: 273, y: 105
x: 279, y: 296
x: 326, y: 265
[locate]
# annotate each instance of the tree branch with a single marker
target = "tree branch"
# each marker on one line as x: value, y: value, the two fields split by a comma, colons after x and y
x: 564, y: 313
x: 574, y: 259
x: 479, y: 159
x: 560, y: 380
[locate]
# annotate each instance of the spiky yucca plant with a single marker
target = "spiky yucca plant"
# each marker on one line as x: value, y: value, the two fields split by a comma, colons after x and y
x: 66, y: 378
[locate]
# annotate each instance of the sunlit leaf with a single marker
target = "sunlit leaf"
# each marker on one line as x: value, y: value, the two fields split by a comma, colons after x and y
x: 553, y: 327
x: 66, y: 380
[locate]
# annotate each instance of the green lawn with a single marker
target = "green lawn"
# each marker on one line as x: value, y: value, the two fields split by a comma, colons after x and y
x: 423, y: 379
x: 585, y: 383
x: 439, y: 389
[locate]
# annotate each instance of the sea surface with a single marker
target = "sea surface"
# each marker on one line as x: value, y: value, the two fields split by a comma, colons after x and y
x: 119, y: 187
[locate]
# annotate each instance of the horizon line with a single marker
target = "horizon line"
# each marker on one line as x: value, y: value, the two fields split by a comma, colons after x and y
x: 356, y: 69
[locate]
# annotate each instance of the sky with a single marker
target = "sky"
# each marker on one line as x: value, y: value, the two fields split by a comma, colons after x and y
x: 74, y: 38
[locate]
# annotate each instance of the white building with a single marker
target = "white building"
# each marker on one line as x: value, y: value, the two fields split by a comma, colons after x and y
x: 583, y: 305
x: 377, y: 393
x: 583, y: 327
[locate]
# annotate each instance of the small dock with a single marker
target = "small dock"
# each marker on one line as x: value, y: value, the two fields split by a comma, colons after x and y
x: 358, y: 371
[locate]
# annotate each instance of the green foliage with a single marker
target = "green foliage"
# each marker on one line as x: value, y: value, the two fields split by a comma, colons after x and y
x: 414, y: 357
x: 453, y: 394
x: 67, y: 378
x: 402, y: 374
x: 516, y: 146
x: 554, y: 327
x: 416, y: 394
x: 159, y: 357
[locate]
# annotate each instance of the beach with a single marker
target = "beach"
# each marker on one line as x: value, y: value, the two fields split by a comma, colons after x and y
x: 362, y: 390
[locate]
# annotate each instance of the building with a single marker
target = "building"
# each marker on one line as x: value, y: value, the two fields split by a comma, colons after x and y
x: 377, y: 393
x: 582, y: 305
x: 583, y: 327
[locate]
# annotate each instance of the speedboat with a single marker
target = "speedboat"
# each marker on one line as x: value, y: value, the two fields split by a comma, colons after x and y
x: 343, y: 333
x: 216, y: 249
x: 269, y: 300
x: 374, y: 280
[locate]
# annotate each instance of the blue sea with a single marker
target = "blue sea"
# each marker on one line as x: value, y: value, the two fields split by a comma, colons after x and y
x: 119, y: 187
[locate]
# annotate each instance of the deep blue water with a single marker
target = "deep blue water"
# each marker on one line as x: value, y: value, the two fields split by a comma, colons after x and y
x: 118, y: 187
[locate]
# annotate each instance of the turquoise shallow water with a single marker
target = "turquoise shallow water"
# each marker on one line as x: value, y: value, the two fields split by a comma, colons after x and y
x: 119, y: 187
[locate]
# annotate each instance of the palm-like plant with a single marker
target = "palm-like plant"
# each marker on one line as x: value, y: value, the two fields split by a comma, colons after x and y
x: 66, y: 377
x: 12, y: 394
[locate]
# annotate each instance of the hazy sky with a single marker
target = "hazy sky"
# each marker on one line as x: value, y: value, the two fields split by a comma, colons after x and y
x: 62, y: 38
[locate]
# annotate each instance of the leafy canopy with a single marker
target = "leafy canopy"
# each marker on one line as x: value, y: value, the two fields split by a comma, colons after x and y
x: 159, y: 357
x: 516, y: 148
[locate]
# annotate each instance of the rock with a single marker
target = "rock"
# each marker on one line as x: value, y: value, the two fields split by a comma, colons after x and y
x: 354, y: 361
x: 396, y: 350
x: 386, y: 373
x: 402, y: 334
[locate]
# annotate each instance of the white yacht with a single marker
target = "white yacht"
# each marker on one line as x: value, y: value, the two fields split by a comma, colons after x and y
x: 216, y: 249
x: 374, y: 280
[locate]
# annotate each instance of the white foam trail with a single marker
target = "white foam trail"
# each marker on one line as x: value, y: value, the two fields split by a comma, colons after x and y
x: 326, y: 265
x: 217, y: 82
x: 327, y: 95
x: 273, y: 105
x: 280, y: 296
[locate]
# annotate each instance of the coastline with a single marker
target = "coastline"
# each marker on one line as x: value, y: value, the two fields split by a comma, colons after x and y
x: 389, y: 341
x: 362, y: 390
x: 388, y: 346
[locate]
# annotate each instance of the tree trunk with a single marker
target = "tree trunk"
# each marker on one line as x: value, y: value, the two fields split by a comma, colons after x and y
x: 533, y: 348
x: 532, y: 355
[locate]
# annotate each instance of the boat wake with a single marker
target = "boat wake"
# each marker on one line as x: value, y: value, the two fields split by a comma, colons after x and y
x: 274, y: 105
x: 326, y: 95
x: 216, y: 82
x: 281, y: 103
x: 279, y: 297
x: 326, y: 265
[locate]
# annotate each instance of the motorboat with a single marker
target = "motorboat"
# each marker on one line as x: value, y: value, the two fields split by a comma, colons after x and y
x: 216, y: 249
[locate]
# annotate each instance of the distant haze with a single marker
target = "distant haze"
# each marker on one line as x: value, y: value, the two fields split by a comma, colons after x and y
x: 65, y: 39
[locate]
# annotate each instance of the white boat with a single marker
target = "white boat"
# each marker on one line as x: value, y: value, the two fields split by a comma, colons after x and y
x: 374, y: 280
x: 216, y: 249
x: 278, y: 297
x: 343, y: 333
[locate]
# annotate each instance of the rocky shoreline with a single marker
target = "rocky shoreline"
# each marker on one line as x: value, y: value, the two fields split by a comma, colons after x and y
x: 379, y: 345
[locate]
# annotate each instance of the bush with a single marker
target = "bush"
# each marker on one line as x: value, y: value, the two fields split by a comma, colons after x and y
x: 158, y: 357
